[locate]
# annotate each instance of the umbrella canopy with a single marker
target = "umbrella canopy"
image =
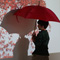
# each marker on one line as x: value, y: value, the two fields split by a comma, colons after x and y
x: 37, y: 12
x: 8, y: 5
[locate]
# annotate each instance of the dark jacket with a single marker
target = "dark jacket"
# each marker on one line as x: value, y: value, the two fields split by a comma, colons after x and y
x: 41, y: 43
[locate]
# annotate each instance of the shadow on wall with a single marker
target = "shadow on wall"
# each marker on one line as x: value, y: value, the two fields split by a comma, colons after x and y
x: 23, y: 27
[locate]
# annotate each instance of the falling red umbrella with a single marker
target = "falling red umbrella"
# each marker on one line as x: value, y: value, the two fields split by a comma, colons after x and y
x: 37, y: 12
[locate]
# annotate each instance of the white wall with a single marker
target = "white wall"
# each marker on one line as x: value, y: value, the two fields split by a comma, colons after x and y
x: 54, y: 44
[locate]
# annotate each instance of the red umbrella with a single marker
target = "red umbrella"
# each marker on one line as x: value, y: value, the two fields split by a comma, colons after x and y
x: 37, y: 12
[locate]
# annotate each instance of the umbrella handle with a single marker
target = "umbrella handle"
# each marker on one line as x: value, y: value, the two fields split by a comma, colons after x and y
x: 17, y: 18
x: 35, y: 26
x: 38, y: 3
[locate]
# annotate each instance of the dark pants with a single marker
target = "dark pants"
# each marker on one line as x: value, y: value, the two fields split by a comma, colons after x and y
x: 39, y: 57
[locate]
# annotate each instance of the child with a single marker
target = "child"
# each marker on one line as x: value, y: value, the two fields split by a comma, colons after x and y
x: 41, y: 42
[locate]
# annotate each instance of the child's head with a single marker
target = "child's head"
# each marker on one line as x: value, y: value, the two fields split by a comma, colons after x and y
x: 42, y: 24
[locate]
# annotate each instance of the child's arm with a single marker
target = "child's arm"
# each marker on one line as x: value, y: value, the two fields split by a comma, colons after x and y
x: 33, y: 36
x: 37, y: 39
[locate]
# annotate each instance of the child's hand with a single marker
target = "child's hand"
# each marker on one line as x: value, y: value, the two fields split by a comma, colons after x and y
x: 34, y: 34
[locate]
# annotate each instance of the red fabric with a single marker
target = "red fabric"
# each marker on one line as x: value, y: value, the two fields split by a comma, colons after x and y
x: 37, y: 12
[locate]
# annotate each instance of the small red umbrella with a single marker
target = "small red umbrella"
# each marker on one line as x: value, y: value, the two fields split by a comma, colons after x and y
x: 37, y: 12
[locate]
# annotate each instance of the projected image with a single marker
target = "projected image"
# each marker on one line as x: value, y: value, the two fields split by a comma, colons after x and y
x: 8, y: 5
x: 7, y: 43
x: 9, y: 40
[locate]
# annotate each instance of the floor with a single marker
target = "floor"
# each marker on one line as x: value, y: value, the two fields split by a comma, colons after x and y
x: 53, y: 56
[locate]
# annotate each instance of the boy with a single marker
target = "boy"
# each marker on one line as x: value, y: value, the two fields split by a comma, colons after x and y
x: 41, y: 42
